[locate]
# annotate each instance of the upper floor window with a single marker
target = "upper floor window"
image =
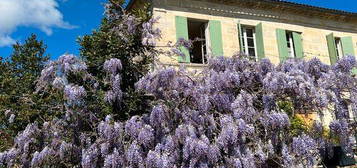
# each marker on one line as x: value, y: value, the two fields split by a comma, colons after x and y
x: 249, y: 42
x: 290, y: 44
x: 206, y: 36
x: 338, y: 45
x: 198, y: 32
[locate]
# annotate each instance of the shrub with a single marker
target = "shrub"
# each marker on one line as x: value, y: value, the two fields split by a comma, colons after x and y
x: 226, y: 116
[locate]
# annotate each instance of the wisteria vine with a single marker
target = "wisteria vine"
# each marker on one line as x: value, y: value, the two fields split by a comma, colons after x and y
x: 226, y: 116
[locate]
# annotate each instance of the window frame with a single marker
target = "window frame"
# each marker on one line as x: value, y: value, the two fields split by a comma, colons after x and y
x: 245, y: 37
x: 290, y: 44
x: 205, y: 45
x: 339, y: 50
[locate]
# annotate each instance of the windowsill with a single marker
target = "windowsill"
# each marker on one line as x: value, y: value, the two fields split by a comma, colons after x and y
x: 186, y: 64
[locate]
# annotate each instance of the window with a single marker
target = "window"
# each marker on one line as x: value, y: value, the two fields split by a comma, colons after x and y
x: 198, y: 32
x: 209, y: 33
x: 249, y: 42
x: 338, y: 47
x: 290, y: 44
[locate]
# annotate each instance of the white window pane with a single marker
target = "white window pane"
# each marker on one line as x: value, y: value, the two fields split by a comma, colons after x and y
x: 245, y: 41
x: 208, y: 40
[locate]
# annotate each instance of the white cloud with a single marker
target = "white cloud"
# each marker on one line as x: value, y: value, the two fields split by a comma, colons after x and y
x: 41, y: 14
x: 6, y: 40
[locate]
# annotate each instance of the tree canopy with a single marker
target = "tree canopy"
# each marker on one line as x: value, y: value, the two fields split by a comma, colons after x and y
x: 18, y: 75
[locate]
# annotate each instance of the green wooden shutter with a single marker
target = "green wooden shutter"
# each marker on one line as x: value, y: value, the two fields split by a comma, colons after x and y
x: 215, y: 30
x: 332, y: 48
x: 259, y: 41
x: 240, y: 36
x: 354, y: 72
x: 347, y: 49
x: 299, y: 52
x: 182, y: 32
x: 347, y: 46
x: 282, y: 44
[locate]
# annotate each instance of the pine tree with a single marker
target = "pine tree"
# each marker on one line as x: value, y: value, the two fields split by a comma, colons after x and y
x: 18, y: 101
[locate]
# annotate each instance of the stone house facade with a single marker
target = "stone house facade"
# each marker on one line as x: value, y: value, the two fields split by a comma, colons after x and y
x: 272, y: 29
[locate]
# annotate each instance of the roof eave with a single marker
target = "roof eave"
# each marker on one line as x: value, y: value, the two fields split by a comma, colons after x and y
x: 287, y: 3
x: 316, y: 8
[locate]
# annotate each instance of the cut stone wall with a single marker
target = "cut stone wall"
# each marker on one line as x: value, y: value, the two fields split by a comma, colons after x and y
x: 314, y: 30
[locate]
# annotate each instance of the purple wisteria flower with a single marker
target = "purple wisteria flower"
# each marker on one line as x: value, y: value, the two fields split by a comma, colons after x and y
x: 234, y: 113
x: 90, y: 157
x: 183, y: 42
x: 345, y: 64
x: 146, y: 136
x: 74, y: 94
x: 288, y: 159
x: 39, y: 158
x: 69, y: 63
x: 150, y: 34
x: 113, y: 66
x: 276, y: 121
x: 114, y: 160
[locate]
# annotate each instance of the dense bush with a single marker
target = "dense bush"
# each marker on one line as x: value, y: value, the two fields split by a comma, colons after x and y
x: 228, y: 116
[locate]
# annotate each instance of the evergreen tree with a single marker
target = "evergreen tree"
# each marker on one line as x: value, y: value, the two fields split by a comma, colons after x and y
x: 120, y: 36
x: 18, y: 101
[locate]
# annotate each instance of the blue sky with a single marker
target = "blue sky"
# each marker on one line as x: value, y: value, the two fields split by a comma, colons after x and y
x: 66, y: 20
x: 83, y: 16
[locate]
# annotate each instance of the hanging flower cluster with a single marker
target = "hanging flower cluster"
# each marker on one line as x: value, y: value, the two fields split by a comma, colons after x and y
x: 227, y: 116
x: 112, y: 67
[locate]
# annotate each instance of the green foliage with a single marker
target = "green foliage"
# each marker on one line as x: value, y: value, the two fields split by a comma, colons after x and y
x: 18, y: 75
x: 143, y: 12
x: 298, y: 126
x: 104, y: 44
x: 19, y: 72
x: 287, y: 107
